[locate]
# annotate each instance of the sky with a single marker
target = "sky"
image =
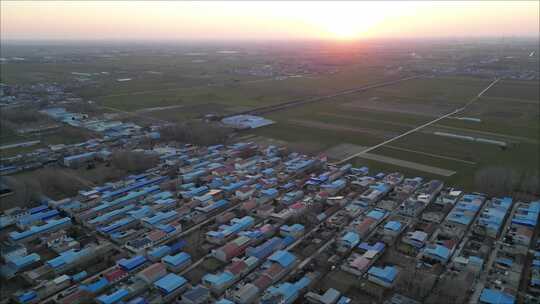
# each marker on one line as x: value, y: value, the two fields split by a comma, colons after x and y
x: 262, y: 20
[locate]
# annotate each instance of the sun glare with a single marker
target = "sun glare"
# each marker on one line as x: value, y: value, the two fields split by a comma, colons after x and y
x: 343, y: 30
x: 345, y: 22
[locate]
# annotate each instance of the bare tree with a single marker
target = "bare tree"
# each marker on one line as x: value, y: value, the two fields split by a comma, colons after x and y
x: 196, y: 132
x: 496, y: 181
x: 134, y: 161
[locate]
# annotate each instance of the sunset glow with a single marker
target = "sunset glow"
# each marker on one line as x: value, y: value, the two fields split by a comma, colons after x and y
x: 264, y: 20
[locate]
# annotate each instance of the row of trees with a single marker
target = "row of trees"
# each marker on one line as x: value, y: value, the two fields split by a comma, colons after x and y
x: 499, y: 181
x: 133, y: 162
x: 197, y: 132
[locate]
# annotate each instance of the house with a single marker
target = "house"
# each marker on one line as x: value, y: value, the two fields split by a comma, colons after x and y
x: 245, y: 293
x: 33, y: 232
x: 465, y: 209
x: 114, y: 297
x: 232, y: 273
x: 392, y: 228
x: 295, y: 230
x: 75, y: 161
x: 232, y: 249
x: 287, y: 293
x: 347, y: 241
x: 330, y: 296
x: 152, y: 273
x: 267, y: 248
x: 356, y: 264
x: 170, y: 286
x: 155, y: 254
x: 492, y: 217
x: 436, y: 254
x: 417, y: 238
x: 276, y: 267
x: 244, y: 193
x: 494, y: 296
x: 196, y: 295
x: 132, y: 263
x: 16, y: 262
x: 385, y: 276
x: 291, y: 197
x: 527, y: 214
x: 177, y: 262
x: 74, y: 257
x: 226, y: 232
x: 375, y: 192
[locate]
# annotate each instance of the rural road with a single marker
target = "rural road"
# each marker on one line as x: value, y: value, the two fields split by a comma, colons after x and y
x: 298, y: 102
x: 421, y: 126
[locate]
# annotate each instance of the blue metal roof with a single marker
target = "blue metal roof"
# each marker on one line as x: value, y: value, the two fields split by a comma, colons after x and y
x: 138, y: 300
x: 224, y: 301
x: 96, y: 286
x: 177, y: 259
x: 160, y: 217
x: 284, y: 258
x: 393, y: 225
x: 37, y: 209
x: 159, y: 252
x: 218, y: 279
x: 109, y: 215
x: 376, y: 214
x: 292, y: 228
x: 493, y: 296
x: 238, y: 224
x: 438, y: 251
x: 68, y: 257
x: 22, y: 261
x: 387, y: 273
x: 351, y: 237
x: 170, y: 283
x: 83, y: 155
x: 134, y: 186
x: 379, y: 246
x: 134, y: 262
x: 15, y: 235
x: 117, y: 224
x: 504, y: 261
x: 27, y: 296
x: 113, y: 297
x: 527, y: 216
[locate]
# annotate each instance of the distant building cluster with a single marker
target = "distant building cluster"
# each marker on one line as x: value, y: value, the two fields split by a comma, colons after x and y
x: 18, y: 95
x: 246, y: 121
x: 109, y: 129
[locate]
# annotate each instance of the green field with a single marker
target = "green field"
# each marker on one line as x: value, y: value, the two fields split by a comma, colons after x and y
x: 246, y: 94
x: 364, y: 120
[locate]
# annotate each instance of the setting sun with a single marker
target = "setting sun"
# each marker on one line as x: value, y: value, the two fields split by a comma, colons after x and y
x: 336, y: 20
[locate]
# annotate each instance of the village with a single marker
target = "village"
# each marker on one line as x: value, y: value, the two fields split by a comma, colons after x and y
x: 246, y: 223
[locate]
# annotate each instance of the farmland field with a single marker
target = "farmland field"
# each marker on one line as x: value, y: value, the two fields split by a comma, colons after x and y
x: 371, y: 117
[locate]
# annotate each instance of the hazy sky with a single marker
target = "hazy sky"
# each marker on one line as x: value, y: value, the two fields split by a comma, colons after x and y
x: 265, y: 20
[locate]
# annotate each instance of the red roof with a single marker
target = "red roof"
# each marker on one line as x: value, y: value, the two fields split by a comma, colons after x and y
x: 249, y: 205
x: 154, y: 272
x: 156, y: 235
x: 237, y: 267
x: 75, y: 296
x: 232, y: 250
x: 364, y: 226
x: 274, y: 270
x: 115, y: 274
x: 297, y: 205
x: 262, y: 282
x: 449, y: 244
